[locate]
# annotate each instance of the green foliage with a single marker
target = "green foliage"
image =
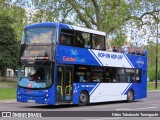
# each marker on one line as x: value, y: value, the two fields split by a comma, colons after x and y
x: 119, y: 39
x: 152, y: 61
x: 11, y: 27
x: 8, y: 45
x: 16, y: 13
x: 104, y: 15
x: 152, y: 73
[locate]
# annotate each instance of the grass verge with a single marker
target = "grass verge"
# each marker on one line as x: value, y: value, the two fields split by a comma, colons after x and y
x: 7, y: 93
x: 151, y: 86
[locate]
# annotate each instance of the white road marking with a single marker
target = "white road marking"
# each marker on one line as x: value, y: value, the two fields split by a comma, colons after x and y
x: 108, y: 118
x: 137, y: 108
x: 2, y: 108
x: 153, y: 102
x: 80, y: 108
x: 108, y: 106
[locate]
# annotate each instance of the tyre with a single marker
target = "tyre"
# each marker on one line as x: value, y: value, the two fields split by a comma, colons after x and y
x: 130, y: 96
x: 83, y: 98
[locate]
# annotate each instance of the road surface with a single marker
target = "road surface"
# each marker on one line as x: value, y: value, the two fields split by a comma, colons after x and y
x: 151, y: 103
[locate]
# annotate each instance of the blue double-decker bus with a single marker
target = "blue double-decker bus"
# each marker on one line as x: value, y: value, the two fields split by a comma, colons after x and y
x: 65, y: 64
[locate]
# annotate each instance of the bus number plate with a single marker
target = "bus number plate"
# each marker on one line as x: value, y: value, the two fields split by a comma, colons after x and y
x: 31, y: 101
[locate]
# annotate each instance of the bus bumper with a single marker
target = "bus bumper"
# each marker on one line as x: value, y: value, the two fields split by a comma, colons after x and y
x: 36, y: 96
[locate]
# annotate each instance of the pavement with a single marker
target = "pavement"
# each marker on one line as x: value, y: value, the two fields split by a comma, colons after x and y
x: 8, y: 101
x: 14, y: 100
x: 153, y: 91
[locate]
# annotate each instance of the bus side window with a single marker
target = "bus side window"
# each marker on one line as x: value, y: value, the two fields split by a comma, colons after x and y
x: 87, y: 41
x: 97, y: 76
x: 138, y: 76
x: 108, y: 78
x: 63, y: 39
x: 81, y: 78
x: 83, y: 39
x: 132, y: 78
x: 79, y: 39
x: 66, y: 37
x: 98, y: 42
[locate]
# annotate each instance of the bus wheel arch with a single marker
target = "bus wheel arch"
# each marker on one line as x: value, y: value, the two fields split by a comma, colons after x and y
x: 83, y: 98
x: 130, y: 95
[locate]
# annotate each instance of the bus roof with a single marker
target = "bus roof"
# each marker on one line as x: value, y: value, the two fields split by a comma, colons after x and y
x: 88, y: 30
x: 65, y: 26
x: 41, y: 25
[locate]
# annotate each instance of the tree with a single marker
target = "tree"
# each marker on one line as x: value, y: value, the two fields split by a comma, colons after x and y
x: 119, y: 39
x: 143, y: 24
x: 8, y: 8
x: 104, y: 15
x: 8, y: 45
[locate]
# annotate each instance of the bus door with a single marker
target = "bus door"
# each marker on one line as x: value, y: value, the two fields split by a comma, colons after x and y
x: 64, y: 83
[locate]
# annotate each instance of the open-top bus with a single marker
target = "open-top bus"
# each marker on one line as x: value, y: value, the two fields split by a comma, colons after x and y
x: 76, y: 71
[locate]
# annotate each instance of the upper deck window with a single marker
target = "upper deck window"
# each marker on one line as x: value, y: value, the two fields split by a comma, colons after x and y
x: 39, y: 35
x: 66, y: 37
x: 98, y: 42
x: 83, y: 39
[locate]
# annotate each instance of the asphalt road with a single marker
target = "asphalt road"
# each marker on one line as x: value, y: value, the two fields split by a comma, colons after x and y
x: 151, y: 103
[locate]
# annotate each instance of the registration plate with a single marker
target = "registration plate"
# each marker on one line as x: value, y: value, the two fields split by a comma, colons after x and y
x: 31, y: 101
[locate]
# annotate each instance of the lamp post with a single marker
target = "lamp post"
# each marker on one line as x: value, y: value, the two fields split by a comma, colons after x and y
x: 157, y: 20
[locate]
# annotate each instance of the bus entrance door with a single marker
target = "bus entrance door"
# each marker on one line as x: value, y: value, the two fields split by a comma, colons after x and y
x: 64, y: 84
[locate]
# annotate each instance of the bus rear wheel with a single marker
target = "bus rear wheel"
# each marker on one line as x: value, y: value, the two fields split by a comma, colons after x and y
x: 83, y: 98
x: 130, y: 96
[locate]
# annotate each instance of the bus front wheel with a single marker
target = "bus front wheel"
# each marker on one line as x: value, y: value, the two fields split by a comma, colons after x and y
x: 130, y: 96
x: 83, y: 98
